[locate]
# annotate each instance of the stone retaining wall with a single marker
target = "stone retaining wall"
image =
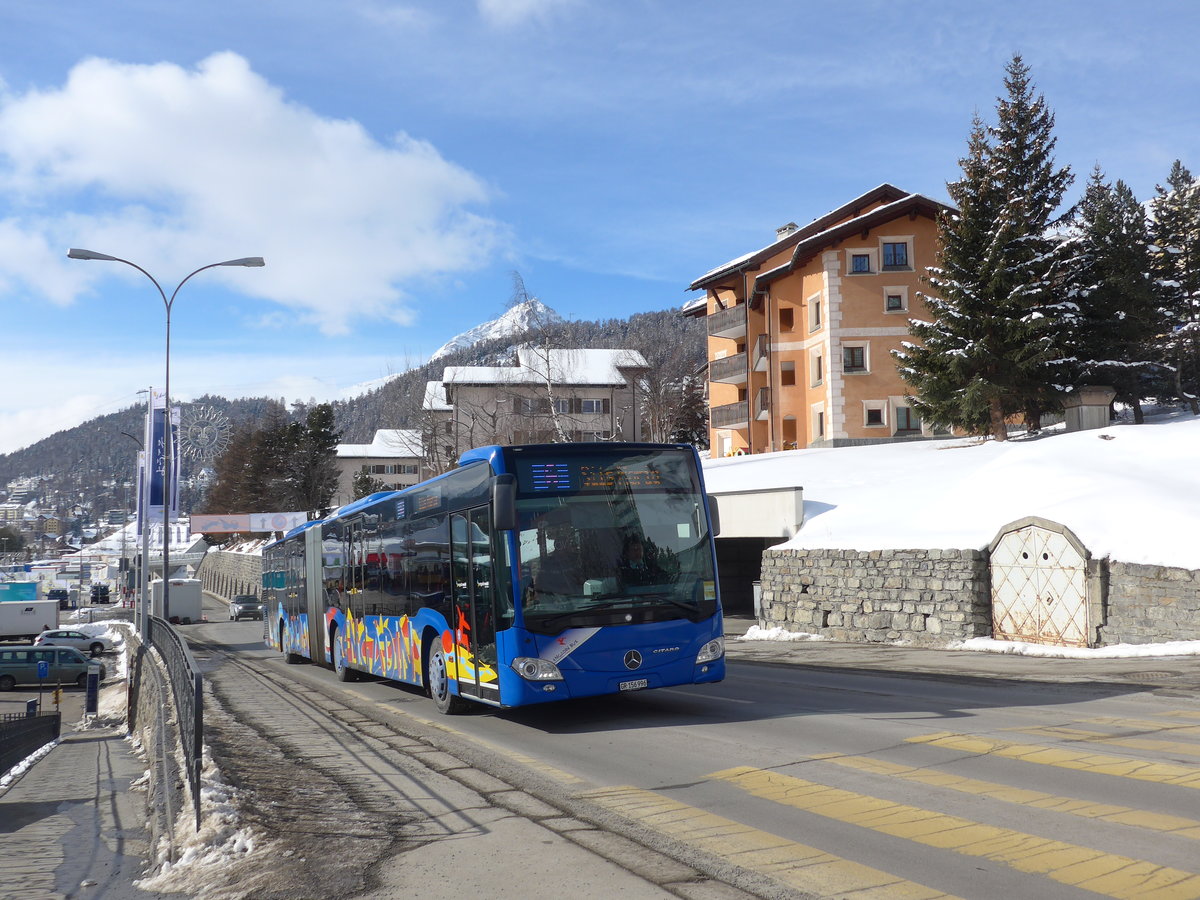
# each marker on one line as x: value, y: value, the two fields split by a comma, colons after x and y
x: 1151, y: 604
x: 932, y: 597
x: 921, y: 596
x: 228, y: 574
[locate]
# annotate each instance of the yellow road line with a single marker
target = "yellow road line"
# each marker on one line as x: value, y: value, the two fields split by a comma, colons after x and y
x: 1145, y: 724
x: 1099, y: 737
x: 1094, y: 870
x: 797, y: 865
x: 1104, y: 812
x: 1095, y: 763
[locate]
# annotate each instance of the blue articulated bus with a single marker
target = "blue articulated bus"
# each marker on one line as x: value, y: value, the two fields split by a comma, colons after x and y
x: 527, y: 574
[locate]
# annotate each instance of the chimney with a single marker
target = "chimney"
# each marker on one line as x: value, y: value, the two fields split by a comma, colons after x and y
x: 784, y: 230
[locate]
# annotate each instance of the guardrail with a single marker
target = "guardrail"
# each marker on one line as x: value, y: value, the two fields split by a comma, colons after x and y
x: 21, y: 734
x: 184, y: 676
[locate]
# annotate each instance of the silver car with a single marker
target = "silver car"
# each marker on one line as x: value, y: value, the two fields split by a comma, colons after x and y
x: 88, y: 643
x: 245, y: 605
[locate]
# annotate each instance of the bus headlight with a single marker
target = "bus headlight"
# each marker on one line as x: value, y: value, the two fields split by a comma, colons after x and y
x: 533, y: 669
x: 714, y: 649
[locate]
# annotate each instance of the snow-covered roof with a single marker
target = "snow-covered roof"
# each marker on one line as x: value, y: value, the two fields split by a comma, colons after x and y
x: 591, y: 367
x: 389, y: 443
x: 435, y: 397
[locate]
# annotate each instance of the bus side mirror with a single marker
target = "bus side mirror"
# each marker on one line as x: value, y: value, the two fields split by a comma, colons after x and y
x: 714, y: 515
x: 504, y: 502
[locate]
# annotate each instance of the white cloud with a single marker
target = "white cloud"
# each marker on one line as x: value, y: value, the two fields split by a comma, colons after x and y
x: 175, y: 168
x: 507, y: 13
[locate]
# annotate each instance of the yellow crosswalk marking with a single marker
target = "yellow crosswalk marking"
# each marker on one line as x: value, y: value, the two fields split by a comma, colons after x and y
x: 1106, y: 812
x: 1099, y: 737
x: 1096, y: 763
x: 797, y: 865
x: 1104, y: 873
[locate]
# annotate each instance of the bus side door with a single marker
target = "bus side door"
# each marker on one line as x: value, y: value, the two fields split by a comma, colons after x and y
x: 474, y: 603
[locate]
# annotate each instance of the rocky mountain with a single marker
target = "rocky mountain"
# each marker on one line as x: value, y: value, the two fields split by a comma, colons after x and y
x: 518, y: 320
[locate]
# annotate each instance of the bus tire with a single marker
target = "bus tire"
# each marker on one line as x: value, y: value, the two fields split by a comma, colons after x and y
x: 343, y: 671
x: 437, y: 677
x: 290, y: 658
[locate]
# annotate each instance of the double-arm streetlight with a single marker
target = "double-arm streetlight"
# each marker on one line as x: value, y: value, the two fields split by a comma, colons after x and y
x: 250, y: 261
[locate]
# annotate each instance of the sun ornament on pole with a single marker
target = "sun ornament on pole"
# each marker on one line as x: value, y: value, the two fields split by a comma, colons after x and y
x: 205, y: 433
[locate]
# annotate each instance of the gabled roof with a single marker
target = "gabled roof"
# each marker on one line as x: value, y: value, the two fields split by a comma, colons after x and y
x: 590, y: 367
x: 389, y: 443
x: 894, y: 201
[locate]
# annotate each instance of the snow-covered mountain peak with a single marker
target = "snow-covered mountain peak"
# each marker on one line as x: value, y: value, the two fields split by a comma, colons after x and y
x: 531, y: 313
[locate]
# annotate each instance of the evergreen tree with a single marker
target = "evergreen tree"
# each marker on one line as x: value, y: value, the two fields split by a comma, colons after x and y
x: 1175, y: 233
x: 989, y: 352
x: 314, y: 461
x: 364, y: 485
x: 1112, y: 314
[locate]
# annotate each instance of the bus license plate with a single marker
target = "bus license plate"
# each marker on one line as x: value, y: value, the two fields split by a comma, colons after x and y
x: 634, y: 685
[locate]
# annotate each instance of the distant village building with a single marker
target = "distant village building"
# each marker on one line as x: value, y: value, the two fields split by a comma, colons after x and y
x: 801, y: 331
x: 394, y: 457
x: 549, y: 395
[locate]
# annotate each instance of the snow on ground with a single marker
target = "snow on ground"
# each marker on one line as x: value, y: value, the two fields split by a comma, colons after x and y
x: 1129, y: 492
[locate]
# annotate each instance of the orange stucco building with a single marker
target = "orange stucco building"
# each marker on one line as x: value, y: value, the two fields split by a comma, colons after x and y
x: 800, y: 332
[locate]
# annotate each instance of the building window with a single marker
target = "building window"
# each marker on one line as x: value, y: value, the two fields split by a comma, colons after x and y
x: 873, y: 417
x: 594, y: 436
x: 907, y: 420
x: 593, y: 407
x: 786, y: 319
x: 894, y: 303
x: 814, y: 313
x: 562, y: 406
x: 818, y: 414
x: 860, y: 264
x: 895, y: 255
x: 447, y: 428
x: 787, y: 374
x: 818, y: 369
x: 854, y: 358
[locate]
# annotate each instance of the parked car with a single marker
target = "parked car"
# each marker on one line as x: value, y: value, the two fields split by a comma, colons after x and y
x: 62, y: 637
x: 62, y: 595
x: 20, y: 666
x: 245, y: 605
x: 99, y: 593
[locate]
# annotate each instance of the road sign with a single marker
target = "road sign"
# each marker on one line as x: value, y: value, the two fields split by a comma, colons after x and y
x: 43, y: 668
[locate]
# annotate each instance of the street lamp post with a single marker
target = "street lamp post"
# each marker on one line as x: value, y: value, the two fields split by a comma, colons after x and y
x: 249, y: 261
x: 78, y: 511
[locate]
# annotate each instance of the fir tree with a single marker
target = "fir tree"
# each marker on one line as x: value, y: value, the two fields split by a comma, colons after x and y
x: 989, y: 352
x: 1175, y: 233
x: 1112, y: 313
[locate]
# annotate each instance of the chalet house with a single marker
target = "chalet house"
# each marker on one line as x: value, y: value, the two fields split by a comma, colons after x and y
x: 800, y: 332
x: 549, y: 395
x: 394, y: 457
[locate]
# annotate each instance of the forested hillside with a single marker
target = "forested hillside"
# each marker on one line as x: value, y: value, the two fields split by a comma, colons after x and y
x: 93, y: 463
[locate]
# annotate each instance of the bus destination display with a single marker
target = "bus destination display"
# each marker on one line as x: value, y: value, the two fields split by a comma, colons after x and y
x: 582, y: 475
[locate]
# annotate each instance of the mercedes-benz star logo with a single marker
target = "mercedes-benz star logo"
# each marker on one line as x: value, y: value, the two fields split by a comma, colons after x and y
x: 633, y: 659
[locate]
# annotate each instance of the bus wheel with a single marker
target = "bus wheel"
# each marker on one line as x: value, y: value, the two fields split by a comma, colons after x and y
x: 344, y: 672
x: 289, y: 658
x: 437, y: 677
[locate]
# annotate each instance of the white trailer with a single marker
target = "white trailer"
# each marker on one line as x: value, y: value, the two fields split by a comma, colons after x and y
x: 185, y: 600
x: 23, y: 621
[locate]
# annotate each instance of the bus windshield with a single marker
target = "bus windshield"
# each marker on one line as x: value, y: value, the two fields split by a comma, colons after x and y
x: 610, y: 539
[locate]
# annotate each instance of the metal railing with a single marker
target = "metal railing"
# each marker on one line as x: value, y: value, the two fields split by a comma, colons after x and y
x: 21, y: 734
x: 186, y: 687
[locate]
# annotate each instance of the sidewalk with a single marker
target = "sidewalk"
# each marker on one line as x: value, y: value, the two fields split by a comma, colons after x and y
x: 72, y: 826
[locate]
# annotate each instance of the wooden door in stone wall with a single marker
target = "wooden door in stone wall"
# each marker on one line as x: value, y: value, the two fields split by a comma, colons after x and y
x: 1039, y: 588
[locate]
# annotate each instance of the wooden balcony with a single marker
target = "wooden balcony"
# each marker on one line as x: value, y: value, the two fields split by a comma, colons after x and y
x: 728, y: 369
x: 761, y: 359
x: 728, y: 323
x: 731, y: 415
x: 762, y: 403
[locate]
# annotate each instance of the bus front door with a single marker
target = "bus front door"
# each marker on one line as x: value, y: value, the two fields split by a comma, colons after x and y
x: 475, y: 619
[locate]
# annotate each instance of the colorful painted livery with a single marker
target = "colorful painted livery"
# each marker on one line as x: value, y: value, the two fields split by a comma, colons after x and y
x: 527, y: 574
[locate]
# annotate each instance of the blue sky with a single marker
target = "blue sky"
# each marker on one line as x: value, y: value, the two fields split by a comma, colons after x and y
x: 396, y: 162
